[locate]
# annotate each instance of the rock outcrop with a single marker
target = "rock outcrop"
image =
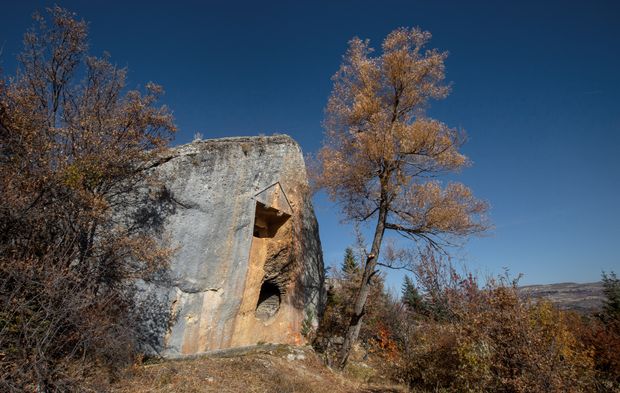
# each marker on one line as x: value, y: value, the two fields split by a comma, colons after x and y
x: 247, y: 265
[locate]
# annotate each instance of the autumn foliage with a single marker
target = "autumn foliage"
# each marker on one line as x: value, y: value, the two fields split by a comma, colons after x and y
x: 496, y: 342
x: 74, y: 144
x: 382, y: 153
x: 459, y: 335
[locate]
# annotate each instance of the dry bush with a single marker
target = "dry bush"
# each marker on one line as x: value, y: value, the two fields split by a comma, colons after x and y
x: 602, y: 333
x: 468, y: 337
x: 490, y: 340
x: 74, y: 146
x: 602, y: 336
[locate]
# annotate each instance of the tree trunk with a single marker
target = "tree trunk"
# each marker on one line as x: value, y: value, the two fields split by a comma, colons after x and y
x: 362, y: 295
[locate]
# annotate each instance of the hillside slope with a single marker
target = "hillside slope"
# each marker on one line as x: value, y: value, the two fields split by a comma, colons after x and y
x: 584, y: 298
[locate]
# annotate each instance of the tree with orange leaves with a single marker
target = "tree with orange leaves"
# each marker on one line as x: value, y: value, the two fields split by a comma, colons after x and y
x: 381, y: 153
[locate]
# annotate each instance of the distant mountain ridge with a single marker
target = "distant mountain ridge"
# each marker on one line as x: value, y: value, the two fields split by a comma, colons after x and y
x: 584, y: 298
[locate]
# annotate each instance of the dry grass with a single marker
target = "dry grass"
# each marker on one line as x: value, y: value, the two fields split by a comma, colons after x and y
x: 281, y: 369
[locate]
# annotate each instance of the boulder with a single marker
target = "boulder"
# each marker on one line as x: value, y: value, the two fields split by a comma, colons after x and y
x: 247, y: 266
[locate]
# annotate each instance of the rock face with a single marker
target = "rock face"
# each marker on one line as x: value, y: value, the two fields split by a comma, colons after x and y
x: 247, y: 266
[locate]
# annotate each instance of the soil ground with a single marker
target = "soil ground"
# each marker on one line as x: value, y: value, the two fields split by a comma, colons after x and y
x: 266, y: 368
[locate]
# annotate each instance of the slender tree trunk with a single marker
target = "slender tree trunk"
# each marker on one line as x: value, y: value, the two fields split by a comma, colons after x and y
x: 362, y: 295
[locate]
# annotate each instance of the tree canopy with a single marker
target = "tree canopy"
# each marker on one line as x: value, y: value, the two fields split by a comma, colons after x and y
x: 380, y: 148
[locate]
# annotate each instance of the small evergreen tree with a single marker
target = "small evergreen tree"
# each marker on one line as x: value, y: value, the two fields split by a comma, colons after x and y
x: 411, y: 297
x: 349, y: 264
x: 611, y: 290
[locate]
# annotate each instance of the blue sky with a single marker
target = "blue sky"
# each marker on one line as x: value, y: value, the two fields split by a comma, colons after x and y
x: 536, y: 85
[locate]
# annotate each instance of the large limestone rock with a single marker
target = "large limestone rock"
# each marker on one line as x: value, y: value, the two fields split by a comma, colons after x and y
x: 247, y: 266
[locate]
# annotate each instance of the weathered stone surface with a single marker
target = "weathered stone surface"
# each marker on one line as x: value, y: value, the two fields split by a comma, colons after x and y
x: 247, y: 266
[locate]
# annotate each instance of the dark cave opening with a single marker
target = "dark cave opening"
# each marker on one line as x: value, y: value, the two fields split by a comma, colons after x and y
x: 268, y: 300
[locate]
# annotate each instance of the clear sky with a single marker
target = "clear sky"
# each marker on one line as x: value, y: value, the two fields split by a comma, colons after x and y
x: 536, y: 85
